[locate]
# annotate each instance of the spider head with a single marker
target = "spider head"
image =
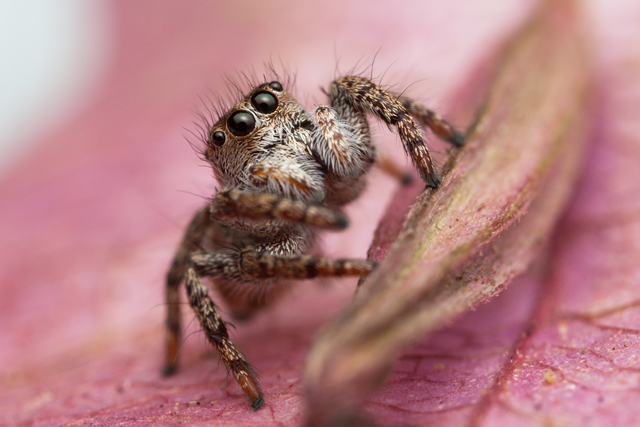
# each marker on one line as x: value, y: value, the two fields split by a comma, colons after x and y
x: 263, y: 143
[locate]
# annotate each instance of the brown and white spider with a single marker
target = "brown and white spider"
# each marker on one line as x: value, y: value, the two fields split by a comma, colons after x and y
x: 285, y: 174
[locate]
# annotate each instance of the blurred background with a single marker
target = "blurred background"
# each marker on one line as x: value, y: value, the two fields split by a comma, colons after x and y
x: 53, y: 56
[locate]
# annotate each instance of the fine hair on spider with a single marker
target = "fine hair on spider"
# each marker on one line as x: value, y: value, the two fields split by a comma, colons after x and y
x: 285, y: 174
x: 217, y: 104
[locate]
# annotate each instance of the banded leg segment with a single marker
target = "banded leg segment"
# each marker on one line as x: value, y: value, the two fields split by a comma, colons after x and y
x: 263, y: 266
x: 190, y: 242
x: 433, y: 121
x: 216, y: 332
x: 285, y: 171
x: 232, y: 204
x: 364, y: 95
x: 252, y: 265
x: 395, y: 110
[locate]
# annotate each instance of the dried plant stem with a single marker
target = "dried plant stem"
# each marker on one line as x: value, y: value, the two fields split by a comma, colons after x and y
x: 456, y: 248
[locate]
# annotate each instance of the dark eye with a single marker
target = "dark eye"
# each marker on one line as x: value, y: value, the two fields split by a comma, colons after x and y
x: 276, y: 86
x: 218, y: 138
x: 265, y: 102
x: 241, y: 123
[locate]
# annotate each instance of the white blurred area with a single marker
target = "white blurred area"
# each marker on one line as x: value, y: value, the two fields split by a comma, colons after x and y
x: 52, y: 53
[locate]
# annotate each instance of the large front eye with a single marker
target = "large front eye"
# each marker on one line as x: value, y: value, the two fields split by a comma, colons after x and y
x: 265, y: 102
x: 241, y: 123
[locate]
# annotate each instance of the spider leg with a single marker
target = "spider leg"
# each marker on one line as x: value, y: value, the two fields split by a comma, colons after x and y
x: 288, y: 172
x: 341, y: 139
x: 387, y: 165
x: 251, y: 264
x: 234, y: 203
x: 433, y: 121
x: 254, y: 266
x: 216, y: 332
x: 191, y: 242
x: 360, y: 94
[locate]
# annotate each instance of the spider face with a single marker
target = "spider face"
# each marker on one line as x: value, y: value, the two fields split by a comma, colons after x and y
x: 266, y: 132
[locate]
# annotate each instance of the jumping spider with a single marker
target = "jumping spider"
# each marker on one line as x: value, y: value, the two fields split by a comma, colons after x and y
x: 285, y: 174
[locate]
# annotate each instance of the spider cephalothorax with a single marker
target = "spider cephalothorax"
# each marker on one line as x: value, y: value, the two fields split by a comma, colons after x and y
x: 285, y: 173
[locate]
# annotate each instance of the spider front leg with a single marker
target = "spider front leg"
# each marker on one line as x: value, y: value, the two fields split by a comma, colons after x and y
x: 354, y: 95
x: 216, y: 332
x: 279, y: 255
x: 343, y: 143
x: 206, y: 311
x: 228, y: 205
x: 254, y: 267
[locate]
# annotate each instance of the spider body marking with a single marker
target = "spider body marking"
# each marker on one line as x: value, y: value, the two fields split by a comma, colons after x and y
x: 285, y: 173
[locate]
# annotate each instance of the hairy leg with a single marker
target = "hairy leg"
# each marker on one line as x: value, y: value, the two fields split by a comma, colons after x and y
x: 203, y: 228
x: 250, y: 264
x: 433, y: 121
x: 234, y: 203
x: 190, y: 243
x: 341, y: 139
x: 255, y: 266
x: 352, y: 95
x: 265, y: 251
x: 216, y: 332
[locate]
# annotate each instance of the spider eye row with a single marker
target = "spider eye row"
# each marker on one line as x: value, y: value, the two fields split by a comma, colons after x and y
x: 242, y: 122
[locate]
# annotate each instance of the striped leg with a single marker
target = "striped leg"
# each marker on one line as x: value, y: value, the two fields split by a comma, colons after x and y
x: 249, y: 264
x: 191, y: 241
x: 234, y: 203
x: 433, y: 121
x: 216, y: 332
x: 360, y: 94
